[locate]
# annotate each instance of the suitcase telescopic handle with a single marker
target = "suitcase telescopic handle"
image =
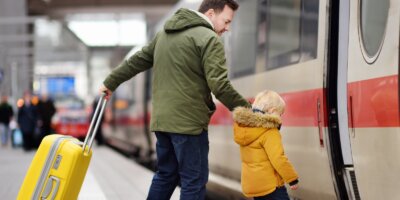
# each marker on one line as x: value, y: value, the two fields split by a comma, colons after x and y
x: 94, y: 124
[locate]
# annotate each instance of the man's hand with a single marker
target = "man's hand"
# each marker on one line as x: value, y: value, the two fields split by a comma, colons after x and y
x: 106, y: 91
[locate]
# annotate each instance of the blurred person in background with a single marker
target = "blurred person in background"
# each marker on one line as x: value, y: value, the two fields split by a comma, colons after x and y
x: 182, y: 83
x: 28, y: 118
x: 46, y: 110
x: 6, y: 113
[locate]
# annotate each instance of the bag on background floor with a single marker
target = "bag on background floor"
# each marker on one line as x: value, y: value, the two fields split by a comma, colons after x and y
x: 16, y: 138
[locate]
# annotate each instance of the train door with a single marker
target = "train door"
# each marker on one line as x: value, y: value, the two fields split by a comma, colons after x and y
x: 336, y: 93
x: 369, y: 110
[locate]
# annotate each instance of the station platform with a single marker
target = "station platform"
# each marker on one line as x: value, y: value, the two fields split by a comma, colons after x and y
x: 110, y: 175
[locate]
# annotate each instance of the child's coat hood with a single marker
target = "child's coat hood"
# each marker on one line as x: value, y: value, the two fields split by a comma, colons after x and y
x: 250, y: 125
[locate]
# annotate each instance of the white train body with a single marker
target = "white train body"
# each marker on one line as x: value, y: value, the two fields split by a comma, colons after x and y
x: 336, y: 64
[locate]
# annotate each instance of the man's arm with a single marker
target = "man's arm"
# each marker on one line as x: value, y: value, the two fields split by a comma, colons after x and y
x: 140, y: 61
x: 214, y: 63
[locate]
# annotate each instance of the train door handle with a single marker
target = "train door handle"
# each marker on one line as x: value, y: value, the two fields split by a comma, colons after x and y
x: 353, y: 131
x: 319, y: 122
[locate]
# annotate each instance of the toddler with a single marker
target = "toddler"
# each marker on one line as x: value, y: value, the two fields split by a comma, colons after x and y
x: 265, y: 168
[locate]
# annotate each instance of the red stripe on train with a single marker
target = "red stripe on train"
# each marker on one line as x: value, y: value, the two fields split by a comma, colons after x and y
x: 375, y: 103
x: 301, y: 110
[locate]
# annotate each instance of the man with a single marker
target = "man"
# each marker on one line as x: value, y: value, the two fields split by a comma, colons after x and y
x: 46, y: 112
x: 28, y: 117
x: 189, y: 63
x: 6, y: 113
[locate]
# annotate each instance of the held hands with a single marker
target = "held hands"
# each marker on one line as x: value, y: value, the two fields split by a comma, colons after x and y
x: 104, y: 90
x: 294, y: 187
x: 294, y: 184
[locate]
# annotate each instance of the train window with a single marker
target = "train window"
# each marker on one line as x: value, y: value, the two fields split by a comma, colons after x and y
x: 242, y: 40
x: 373, y: 20
x: 261, y: 37
x: 309, y: 30
x: 283, y: 32
x: 290, y: 31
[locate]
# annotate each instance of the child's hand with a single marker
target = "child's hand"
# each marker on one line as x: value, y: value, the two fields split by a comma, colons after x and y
x: 294, y: 187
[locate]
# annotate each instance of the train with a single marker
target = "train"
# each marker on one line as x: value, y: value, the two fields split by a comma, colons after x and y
x: 335, y: 63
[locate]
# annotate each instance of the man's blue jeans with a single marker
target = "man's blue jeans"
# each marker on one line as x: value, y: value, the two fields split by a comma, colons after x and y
x: 180, y: 159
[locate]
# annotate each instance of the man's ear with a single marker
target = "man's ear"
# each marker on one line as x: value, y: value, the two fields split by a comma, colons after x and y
x: 210, y: 13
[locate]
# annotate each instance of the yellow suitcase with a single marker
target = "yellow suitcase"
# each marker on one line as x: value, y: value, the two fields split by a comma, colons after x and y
x: 59, y: 166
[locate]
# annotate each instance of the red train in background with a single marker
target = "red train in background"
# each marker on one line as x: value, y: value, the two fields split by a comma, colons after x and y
x: 72, y: 116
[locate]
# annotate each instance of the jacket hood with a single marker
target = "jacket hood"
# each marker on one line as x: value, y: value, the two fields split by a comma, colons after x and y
x: 185, y: 19
x: 249, y: 126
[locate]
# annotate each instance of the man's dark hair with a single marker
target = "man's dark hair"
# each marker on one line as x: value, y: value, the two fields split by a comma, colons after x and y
x: 217, y: 5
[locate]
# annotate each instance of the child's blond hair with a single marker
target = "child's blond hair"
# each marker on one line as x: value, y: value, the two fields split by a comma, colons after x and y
x: 269, y: 102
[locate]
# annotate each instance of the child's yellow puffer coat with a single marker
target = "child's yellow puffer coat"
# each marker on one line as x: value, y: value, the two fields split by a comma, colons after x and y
x: 264, y: 164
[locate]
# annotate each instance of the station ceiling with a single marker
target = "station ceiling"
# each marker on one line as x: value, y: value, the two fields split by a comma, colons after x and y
x: 40, y: 7
x: 63, y: 10
x: 58, y: 9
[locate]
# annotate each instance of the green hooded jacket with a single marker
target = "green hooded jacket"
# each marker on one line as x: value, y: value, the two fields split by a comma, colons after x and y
x: 189, y: 63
